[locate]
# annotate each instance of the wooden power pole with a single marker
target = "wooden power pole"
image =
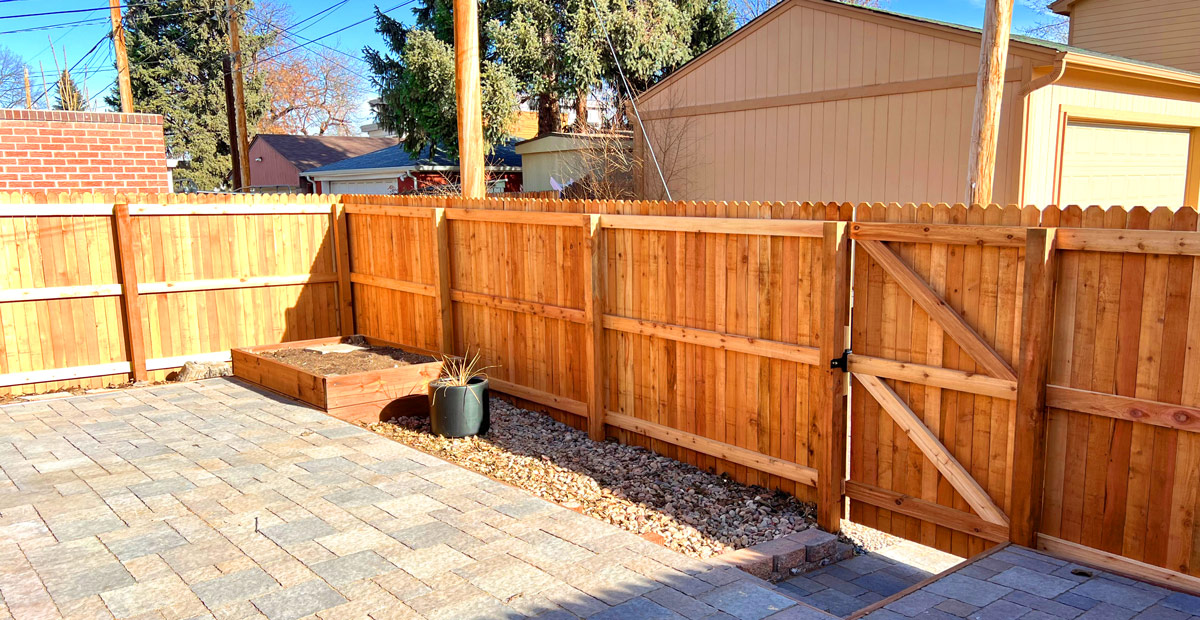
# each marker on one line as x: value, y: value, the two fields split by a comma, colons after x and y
x: 118, y: 33
x: 242, y: 150
x: 470, y: 100
x: 989, y: 92
x: 28, y: 95
x: 231, y: 118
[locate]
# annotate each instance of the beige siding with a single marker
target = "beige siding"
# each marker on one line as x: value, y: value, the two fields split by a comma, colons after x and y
x: 1165, y: 32
x: 829, y: 103
x: 1124, y: 164
x: 1048, y: 107
x: 899, y: 148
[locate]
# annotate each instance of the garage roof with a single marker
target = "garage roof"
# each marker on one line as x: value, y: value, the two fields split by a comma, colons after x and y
x: 502, y: 156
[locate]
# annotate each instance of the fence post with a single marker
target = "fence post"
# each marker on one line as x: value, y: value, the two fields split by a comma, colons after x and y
x: 441, y: 240
x: 835, y: 308
x: 340, y: 233
x: 131, y: 304
x: 594, y: 311
x: 1037, y: 333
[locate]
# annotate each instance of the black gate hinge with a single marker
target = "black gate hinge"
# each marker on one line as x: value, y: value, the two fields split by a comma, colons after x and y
x: 842, y: 362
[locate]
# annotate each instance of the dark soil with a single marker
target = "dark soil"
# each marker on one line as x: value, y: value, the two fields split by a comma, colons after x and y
x: 330, y: 364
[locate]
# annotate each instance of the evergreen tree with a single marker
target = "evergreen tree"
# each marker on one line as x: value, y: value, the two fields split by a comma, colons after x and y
x: 415, y: 78
x: 557, y: 48
x: 69, y: 97
x: 175, y: 49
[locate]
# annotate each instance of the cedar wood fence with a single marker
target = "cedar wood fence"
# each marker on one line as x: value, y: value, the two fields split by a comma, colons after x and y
x: 1052, y: 401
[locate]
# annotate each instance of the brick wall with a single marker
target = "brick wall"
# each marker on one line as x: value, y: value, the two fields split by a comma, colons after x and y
x: 91, y: 151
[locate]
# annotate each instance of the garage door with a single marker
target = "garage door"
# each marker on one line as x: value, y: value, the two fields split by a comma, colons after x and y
x: 380, y: 186
x: 1123, y: 165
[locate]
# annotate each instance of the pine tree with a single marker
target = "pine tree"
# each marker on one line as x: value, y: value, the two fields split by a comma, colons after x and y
x: 175, y: 50
x: 557, y: 49
x: 69, y: 97
x: 415, y: 77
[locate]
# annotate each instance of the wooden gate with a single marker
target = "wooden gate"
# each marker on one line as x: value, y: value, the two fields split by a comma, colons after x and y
x: 935, y: 325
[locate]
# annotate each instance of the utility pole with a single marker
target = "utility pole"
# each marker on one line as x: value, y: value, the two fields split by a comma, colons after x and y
x: 989, y: 93
x: 242, y: 152
x: 28, y: 95
x: 118, y: 35
x: 470, y: 100
x: 231, y: 117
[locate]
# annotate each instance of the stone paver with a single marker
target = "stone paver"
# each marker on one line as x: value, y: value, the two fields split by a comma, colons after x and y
x: 214, y: 500
x: 850, y: 585
x: 1022, y: 583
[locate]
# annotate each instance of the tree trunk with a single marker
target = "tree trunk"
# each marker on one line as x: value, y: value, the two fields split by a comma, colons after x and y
x: 549, y: 114
x: 581, y: 112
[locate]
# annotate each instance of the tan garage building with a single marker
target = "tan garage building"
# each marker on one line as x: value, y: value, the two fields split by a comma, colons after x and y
x: 818, y: 100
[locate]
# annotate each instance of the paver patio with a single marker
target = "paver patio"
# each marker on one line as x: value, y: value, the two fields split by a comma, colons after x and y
x: 212, y: 499
x: 1016, y: 582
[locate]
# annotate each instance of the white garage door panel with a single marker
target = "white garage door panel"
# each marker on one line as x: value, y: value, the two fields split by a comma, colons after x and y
x: 1123, y: 165
x: 379, y: 186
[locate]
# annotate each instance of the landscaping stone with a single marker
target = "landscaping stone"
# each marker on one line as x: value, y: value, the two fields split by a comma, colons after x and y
x: 195, y: 371
x: 751, y: 560
x: 694, y: 512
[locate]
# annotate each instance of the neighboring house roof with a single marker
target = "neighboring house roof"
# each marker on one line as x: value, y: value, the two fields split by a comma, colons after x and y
x: 1062, y: 7
x: 306, y: 152
x: 395, y: 157
x: 1017, y: 39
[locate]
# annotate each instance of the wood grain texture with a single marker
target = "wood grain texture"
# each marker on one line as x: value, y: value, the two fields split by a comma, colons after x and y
x: 1029, y: 435
x: 933, y: 449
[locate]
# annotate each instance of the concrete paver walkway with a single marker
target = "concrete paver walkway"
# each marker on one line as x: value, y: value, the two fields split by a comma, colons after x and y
x: 850, y: 585
x: 1017, y: 582
x: 212, y: 499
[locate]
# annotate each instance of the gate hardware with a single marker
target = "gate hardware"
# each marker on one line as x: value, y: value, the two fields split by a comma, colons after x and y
x: 842, y: 362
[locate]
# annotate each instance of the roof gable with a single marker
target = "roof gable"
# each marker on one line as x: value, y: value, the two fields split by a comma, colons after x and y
x: 1019, y: 46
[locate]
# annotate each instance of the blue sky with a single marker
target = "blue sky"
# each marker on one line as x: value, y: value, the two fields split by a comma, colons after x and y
x: 97, y: 73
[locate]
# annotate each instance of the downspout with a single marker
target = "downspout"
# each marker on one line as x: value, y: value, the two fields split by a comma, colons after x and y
x: 1056, y: 73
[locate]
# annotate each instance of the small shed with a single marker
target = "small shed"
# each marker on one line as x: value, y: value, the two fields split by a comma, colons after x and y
x: 820, y: 100
x: 566, y: 157
x: 393, y: 170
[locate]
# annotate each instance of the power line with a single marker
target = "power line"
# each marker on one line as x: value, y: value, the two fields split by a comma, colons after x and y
x: 74, y: 66
x: 324, y: 36
x: 69, y: 11
x: 93, y: 20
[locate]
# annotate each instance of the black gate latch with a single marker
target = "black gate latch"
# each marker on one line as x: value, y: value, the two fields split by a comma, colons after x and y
x: 842, y: 362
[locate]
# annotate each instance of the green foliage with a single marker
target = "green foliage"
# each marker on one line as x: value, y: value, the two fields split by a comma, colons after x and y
x: 69, y: 97
x: 557, y: 49
x: 548, y: 50
x: 415, y: 78
x: 175, y: 49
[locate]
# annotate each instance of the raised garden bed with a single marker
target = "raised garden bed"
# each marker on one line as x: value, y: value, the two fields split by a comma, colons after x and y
x: 364, y: 386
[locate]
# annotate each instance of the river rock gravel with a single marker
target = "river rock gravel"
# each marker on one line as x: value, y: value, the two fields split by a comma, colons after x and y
x: 696, y: 513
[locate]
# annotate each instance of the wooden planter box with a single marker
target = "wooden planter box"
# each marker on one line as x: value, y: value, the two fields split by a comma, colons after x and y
x: 360, y: 397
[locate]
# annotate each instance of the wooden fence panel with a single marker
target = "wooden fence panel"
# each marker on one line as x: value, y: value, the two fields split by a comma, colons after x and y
x: 210, y: 272
x: 1126, y: 324
x: 725, y: 319
x: 38, y: 252
x: 388, y: 254
x: 961, y: 309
